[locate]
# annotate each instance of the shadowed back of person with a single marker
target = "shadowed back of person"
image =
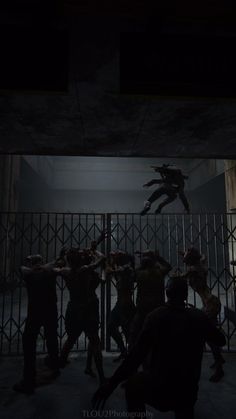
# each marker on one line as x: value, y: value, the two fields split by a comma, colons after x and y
x: 150, y: 278
x: 174, y: 336
x: 40, y: 280
x: 82, y: 313
x: 122, y: 270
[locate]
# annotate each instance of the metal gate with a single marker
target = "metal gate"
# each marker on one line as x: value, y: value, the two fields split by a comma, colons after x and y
x: 22, y: 234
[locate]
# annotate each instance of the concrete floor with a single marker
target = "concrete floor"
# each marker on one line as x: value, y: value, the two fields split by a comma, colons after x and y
x: 68, y: 397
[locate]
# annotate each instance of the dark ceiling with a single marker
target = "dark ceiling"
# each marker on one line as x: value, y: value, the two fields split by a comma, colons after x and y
x: 91, y: 116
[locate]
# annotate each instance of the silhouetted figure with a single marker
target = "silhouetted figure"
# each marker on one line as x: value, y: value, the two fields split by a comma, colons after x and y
x: 172, y: 184
x: 82, y: 313
x: 95, y: 302
x: 197, y: 277
x: 174, y: 336
x: 95, y: 255
x: 122, y: 270
x: 40, y: 282
x: 150, y: 278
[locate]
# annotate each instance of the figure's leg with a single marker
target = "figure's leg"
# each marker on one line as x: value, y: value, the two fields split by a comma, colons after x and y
x: 88, y: 370
x: 30, y: 334
x: 218, y: 364
x: 50, y: 328
x: 155, y: 195
x: 31, y: 331
x: 96, y: 350
x: 74, y: 329
x: 126, y: 321
x: 92, y: 326
x: 170, y: 198
x: 135, y: 328
x: 184, y: 200
x: 123, y: 354
x: 113, y: 330
x: 217, y: 354
x: 126, y: 329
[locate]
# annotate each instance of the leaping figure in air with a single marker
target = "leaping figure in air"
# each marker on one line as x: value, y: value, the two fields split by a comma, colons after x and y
x: 172, y: 184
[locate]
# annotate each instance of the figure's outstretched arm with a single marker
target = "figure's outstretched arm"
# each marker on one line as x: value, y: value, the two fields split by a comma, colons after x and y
x: 93, y: 265
x: 134, y: 359
x: 64, y: 271
x: 59, y: 262
x: 100, y: 239
x: 25, y: 270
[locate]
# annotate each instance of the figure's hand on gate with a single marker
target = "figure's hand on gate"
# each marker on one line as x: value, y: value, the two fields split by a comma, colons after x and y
x: 104, y: 234
x: 60, y: 263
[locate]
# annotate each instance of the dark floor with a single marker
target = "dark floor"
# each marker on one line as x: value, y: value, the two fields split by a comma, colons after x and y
x: 68, y: 397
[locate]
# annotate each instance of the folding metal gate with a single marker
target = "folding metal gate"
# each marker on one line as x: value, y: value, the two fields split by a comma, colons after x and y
x: 22, y: 234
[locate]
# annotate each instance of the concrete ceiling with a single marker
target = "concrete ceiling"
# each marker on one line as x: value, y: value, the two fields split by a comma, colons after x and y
x: 93, y: 119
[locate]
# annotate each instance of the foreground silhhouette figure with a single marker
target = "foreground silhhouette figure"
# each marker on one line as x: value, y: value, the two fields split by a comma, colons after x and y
x: 174, y: 336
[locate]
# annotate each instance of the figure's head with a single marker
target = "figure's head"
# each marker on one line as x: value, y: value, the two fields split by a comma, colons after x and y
x: 191, y: 256
x: 73, y: 257
x: 34, y: 260
x: 147, y: 262
x: 120, y: 258
x: 149, y: 253
x: 86, y: 256
x: 177, y: 290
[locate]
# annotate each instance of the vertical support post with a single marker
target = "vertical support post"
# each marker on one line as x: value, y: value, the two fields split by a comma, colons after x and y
x: 103, y: 289
x: 108, y: 283
x: 5, y: 222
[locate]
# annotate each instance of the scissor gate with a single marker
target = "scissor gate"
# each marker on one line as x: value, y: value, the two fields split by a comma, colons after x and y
x: 22, y: 234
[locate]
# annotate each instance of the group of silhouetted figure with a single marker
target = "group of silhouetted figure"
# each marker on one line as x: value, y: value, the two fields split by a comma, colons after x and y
x: 165, y: 339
